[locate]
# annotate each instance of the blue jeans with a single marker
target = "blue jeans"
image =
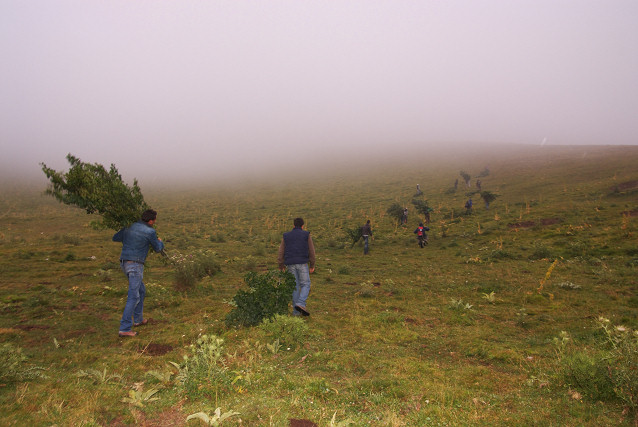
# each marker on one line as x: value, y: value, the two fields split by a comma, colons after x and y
x: 365, y: 244
x: 136, y: 292
x: 302, y: 290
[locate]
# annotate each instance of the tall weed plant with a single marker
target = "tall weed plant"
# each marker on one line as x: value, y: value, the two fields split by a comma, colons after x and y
x: 13, y: 366
x: 204, y: 369
x: 608, y: 370
x: 189, y: 269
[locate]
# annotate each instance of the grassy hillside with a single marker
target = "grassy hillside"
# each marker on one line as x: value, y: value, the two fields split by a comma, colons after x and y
x: 496, y: 322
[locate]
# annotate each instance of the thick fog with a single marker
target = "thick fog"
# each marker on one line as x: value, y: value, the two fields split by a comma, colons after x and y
x: 208, y: 89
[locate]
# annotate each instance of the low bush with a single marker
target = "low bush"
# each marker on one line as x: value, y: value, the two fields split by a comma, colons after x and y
x: 268, y: 294
x: 290, y: 331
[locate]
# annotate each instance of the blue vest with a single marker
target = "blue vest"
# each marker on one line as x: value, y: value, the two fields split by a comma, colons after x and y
x: 296, y: 246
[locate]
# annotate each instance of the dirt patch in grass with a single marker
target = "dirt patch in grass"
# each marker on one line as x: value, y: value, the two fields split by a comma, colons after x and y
x: 522, y: 224
x: 302, y: 423
x: 32, y: 327
x: 631, y: 213
x: 625, y: 186
x: 528, y: 224
x: 156, y: 349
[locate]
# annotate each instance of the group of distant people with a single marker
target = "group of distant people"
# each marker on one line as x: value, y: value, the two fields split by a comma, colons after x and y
x: 296, y: 254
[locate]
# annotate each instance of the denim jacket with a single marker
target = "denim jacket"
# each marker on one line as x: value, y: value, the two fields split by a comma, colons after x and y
x: 136, y: 240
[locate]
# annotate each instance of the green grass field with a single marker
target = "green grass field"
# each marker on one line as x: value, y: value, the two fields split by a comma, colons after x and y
x: 495, y: 322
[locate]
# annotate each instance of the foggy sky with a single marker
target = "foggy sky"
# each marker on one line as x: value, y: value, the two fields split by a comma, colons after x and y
x: 167, y: 89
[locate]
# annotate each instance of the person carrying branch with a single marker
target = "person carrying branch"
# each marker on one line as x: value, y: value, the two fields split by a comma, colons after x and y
x: 136, y: 241
x: 420, y: 234
x: 366, y: 232
x: 297, y: 254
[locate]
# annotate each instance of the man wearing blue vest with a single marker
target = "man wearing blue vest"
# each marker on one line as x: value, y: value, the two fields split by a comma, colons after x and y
x: 297, y: 254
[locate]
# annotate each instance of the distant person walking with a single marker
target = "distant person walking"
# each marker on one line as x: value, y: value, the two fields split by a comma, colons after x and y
x: 136, y: 241
x: 478, y: 184
x: 421, y: 236
x: 468, y: 206
x: 405, y: 216
x: 418, y: 190
x: 366, y: 232
x: 296, y: 253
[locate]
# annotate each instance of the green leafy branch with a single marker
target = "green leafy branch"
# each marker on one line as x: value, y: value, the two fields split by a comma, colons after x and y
x: 97, y: 191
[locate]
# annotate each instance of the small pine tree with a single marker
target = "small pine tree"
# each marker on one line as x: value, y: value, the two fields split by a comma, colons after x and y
x: 268, y: 295
x: 355, y: 234
x: 466, y: 177
x: 96, y: 190
x: 423, y: 208
x: 396, y: 211
x: 488, y: 197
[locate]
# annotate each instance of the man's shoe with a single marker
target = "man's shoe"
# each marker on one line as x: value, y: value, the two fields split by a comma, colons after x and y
x: 302, y: 310
x: 142, y: 323
x: 127, y: 334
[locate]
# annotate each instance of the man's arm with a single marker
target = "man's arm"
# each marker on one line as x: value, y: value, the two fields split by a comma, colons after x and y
x: 311, y: 254
x: 280, y: 255
x: 156, y: 243
x: 119, y: 236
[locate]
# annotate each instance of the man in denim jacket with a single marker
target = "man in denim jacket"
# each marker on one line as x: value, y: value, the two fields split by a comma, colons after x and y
x: 136, y: 240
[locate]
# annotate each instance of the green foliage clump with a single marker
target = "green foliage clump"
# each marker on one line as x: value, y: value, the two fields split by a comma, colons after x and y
x: 483, y: 173
x: 268, y: 294
x: 541, y: 252
x: 606, y: 371
x: 291, y: 331
x: 96, y: 190
x: 422, y: 207
x: 466, y: 177
x: 396, y: 211
x: 355, y: 234
x: 13, y: 365
x: 488, y: 197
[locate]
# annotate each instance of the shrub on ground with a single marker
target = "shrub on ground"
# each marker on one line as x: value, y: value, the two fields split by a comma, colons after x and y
x: 268, y: 294
x: 290, y: 331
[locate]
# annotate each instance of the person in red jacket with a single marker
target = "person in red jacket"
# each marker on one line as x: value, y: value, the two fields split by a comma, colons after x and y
x: 420, y: 234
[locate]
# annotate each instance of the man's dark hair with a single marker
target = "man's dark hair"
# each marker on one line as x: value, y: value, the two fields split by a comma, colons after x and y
x: 298, y: 222
x: 149, y: 215
x: 368, y: 222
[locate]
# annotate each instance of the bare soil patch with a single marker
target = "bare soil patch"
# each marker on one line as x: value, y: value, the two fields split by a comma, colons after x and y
x: 528, y: 224
x: 156, y: 349
x: 302, y: 423
x: 32, y: 327
x: 631, y: 213
x: 625, y: 186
